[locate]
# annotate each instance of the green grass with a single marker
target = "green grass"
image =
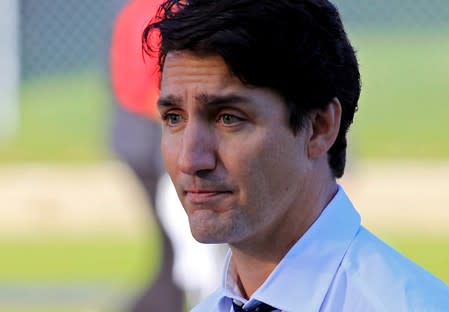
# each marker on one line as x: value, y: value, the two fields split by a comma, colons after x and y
x: 103, y: 268
x: 403, y: 110
x: 62, y: 118
x: 77, y: 260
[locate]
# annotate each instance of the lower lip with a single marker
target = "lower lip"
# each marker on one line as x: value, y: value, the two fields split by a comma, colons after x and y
x: 205, y: 197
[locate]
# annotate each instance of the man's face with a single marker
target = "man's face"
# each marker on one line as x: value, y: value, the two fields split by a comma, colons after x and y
x: 237, y: 167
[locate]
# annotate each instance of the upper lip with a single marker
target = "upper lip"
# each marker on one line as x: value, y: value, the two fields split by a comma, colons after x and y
x: 206, y: 191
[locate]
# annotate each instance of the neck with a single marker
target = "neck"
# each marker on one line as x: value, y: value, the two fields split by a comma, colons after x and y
x: 254, y: 260
x: 250, y: 271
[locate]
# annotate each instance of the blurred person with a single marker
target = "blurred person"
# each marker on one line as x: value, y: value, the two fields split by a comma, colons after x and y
x: 256, y: 99
x: 136, y: 140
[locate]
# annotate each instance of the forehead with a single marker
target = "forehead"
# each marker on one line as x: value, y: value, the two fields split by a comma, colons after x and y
x: 185, y: 69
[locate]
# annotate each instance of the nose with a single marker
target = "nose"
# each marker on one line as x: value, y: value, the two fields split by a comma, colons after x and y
x: 198, y: 149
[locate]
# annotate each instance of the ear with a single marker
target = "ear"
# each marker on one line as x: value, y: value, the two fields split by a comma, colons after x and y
x: 325, y: 126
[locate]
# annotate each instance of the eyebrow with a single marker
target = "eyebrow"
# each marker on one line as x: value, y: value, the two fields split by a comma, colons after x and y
x: 168, y: 101
x: 205, y: 99
x: 219, y: 100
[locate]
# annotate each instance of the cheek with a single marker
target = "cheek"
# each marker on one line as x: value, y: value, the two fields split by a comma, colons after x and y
x: 251, y: 162
x: 169, y: 153
x: 266, y: 168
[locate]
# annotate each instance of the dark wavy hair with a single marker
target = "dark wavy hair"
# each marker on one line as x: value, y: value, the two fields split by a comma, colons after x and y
x: 298, y: 48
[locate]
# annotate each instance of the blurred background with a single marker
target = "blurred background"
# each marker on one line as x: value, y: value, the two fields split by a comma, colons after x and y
x: 75, y: 234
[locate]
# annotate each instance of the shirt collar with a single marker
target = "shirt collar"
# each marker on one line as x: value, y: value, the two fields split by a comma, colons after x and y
x: 302, y: 278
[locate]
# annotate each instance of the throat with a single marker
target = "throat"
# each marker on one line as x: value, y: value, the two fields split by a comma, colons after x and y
x: 250, y: 273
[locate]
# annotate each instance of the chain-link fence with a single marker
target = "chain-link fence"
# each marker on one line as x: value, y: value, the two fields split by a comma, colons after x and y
x: 61, y: 36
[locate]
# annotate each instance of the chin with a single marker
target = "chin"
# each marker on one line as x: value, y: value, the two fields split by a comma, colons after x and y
x: 207, y: 238
x: 208, y: 235
x: 209, y: 227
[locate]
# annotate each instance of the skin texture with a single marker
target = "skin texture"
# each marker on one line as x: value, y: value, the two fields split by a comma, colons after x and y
x: 243, y: 177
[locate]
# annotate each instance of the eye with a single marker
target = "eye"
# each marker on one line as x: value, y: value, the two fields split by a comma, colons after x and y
x: 228, y: 119
x: 172, y: 119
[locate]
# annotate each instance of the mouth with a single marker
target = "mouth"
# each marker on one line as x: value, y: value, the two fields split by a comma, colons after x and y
x: 201, y: 197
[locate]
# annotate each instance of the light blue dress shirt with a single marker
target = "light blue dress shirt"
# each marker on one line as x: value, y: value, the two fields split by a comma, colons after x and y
x: 338, y: 265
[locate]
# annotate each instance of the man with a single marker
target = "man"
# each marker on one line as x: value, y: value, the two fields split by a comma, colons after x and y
x: 256, y: 99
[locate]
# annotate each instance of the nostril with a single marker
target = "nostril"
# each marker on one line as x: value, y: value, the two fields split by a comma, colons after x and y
x: 204, y: 173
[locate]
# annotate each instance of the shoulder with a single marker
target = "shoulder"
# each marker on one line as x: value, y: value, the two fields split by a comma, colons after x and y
x: 375, y: 274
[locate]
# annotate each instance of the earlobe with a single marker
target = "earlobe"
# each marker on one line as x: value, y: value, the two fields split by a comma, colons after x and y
x: 325, y: 125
